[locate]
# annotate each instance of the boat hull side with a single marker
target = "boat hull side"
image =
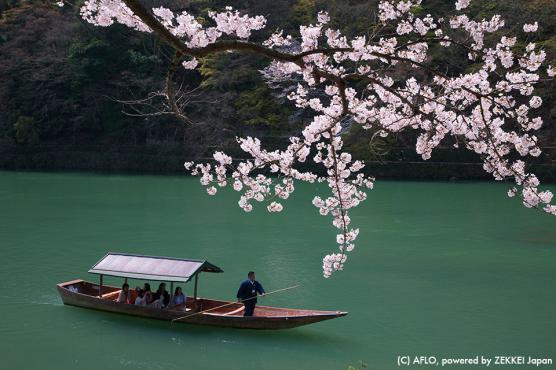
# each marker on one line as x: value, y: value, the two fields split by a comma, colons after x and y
x: 239, y: 322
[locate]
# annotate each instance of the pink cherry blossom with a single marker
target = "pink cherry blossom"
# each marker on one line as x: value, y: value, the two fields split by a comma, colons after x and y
x: 275, y: 207
x: 530, y: 27
x: 535, y: 102
x: 190, y: 64
x: 462, y: 4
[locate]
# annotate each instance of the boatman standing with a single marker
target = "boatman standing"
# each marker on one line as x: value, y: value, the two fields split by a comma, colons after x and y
x: 247, y: 293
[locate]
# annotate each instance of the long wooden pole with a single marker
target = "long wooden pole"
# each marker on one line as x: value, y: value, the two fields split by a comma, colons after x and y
x: 100, y: 286
x: 196, y: 282
x: 231, y: 303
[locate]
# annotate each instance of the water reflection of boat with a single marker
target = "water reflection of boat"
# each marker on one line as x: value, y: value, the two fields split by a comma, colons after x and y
x: 196, y: 310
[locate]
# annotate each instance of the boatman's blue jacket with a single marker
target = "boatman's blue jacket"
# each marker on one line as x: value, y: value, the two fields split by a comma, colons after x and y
x: 249, y: 289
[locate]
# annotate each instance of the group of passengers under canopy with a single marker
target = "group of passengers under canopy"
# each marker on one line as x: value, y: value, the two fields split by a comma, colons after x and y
x: 145, y: 297
x: 246, y: 294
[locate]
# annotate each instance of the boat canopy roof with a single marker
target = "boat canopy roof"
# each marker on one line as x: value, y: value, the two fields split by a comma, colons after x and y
x: 151, y: 267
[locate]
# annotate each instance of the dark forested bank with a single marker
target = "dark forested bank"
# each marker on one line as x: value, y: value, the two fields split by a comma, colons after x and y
x: 400, y: 164
x: 62, y: 82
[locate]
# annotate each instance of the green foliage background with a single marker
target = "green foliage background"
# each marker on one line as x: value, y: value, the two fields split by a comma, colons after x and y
x: 60, y: 77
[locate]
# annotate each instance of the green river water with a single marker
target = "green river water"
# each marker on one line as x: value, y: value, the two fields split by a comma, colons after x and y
x: 441, y: 269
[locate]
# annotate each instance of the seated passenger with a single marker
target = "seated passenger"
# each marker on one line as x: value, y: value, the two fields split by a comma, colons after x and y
x: 162, y: 295
x: 178, y: 298
x: 151, y: 301
x: 148, y: 297
x: 157, y: 303
x: 147, y: 294
x: 140, y: 300
x: 123, y: 297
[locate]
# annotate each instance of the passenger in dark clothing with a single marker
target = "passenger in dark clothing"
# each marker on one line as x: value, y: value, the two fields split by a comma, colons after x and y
x: 162, y: 294
x: 247, y: 293
x: 147, y: 294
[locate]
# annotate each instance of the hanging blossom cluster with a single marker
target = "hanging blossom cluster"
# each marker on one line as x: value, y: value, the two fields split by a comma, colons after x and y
x: 381, y: 82
x: 104, y: 13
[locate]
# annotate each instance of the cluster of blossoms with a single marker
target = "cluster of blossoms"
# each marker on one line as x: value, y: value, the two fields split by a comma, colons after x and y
x: 490, y: 110
x: 104, y: 13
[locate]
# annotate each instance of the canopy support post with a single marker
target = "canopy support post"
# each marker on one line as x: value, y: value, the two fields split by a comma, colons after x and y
x: 100, y: 286
x: 171, y: 292
x: 125, y: 281
x: 196, y: 281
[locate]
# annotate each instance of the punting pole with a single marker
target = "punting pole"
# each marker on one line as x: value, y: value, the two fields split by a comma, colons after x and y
x: 100, y: 286
x: 195, y: 291
x: 171, y: 291
x: 231, y: 303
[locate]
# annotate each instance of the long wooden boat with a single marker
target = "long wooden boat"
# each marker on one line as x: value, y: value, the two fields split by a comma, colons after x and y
x: 196, y: 310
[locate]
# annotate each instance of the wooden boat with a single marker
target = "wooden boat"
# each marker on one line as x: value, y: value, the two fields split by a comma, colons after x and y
x: 196, y: 310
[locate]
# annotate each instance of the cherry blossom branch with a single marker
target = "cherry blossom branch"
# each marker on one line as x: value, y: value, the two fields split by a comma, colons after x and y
x: 358, y: 80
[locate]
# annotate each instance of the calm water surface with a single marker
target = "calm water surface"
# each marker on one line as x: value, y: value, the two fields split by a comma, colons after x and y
x: 445, y: 269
